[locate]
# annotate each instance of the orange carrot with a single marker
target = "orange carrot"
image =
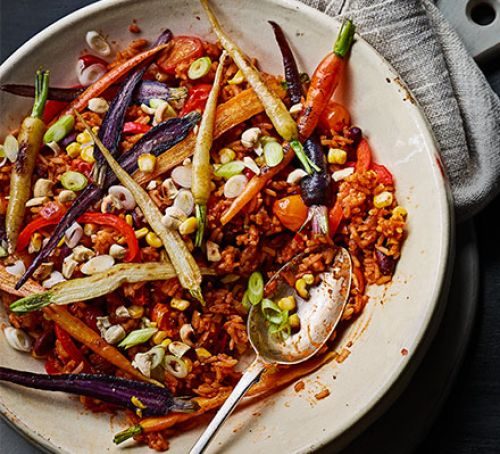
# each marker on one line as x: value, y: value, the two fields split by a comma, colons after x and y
x: 324, y: 81
x: 255, y: 185
x: 110, y: 78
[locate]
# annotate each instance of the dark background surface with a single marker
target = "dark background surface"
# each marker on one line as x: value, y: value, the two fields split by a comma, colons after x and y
x: 470, y: 419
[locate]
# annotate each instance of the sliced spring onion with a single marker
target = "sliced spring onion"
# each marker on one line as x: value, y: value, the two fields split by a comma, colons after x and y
x: 283, y: 329
x: 255, y: 288
x: 273, y: 153
x: 60, y: 129
x: 137, y: 337
x: 199, y: 68
x: 303, y: 158
x: 245, y: 302
x: 74, y: 181
x: 175, y: 366
x: 237, y: 79
x: 230, y: 169
x: 11, y: 148
x: 272, y: 313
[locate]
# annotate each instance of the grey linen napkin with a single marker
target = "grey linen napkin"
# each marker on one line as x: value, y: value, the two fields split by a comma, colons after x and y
x: 459, y: 103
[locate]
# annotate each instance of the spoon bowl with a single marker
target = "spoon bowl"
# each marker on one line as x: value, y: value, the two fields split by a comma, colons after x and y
x: 319, y: 316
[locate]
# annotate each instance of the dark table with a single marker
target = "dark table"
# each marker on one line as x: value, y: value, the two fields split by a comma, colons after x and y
x: 470, y: 419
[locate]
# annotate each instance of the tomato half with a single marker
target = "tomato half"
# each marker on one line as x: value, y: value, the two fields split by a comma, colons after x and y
x: 291, y: 211
x: 335, y: 117
x: 182, y: 48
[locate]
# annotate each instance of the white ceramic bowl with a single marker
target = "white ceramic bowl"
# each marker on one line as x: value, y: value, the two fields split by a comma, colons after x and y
x: 397, y: 319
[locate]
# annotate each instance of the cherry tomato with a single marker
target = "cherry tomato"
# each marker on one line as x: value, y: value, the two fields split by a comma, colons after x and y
x: 52, y: 110
x: 160, y: 315
x: 197, y: 99
x: 363, y: 156
x: 384, y: 176
x: 335, y: 217
x: 183, y: 48
x: 81, y: 166
x: 335, y: 117
x: 291, y: 211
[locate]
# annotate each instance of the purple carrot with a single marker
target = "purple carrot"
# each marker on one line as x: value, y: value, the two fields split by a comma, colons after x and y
x: 156, y: 141
x: 292, y: 75
x: 145, y: 91
x: 112, y: 390
x: 112, y: 126
x: 55, y: 94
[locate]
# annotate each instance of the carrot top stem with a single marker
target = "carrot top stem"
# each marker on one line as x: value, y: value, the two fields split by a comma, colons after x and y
x: 41, y: 93
x: 344, y: 38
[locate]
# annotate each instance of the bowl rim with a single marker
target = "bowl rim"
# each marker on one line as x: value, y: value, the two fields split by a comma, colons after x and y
x: 401, y: 375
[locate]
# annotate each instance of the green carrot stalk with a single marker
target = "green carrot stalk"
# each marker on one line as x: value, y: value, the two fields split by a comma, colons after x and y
x: 202, y: 172
x: 30, y: 140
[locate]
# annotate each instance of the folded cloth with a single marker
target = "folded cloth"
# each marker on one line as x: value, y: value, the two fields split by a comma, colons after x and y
x: 458, y: 101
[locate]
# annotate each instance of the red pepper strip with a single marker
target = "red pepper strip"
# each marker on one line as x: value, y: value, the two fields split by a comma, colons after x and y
x: 69, y: 346
x: 52, y: 109
x: 88, y: 218
x: 197, y: 99
x: 130, y: 127
x: 335, y: 217
x: 384, y: 176
x: 81, y: 166
x: 35, y: 226
x: 364, y: 156
x: 51, y: 366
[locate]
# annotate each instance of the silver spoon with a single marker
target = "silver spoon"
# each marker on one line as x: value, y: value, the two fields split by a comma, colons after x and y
x: 319, y: 316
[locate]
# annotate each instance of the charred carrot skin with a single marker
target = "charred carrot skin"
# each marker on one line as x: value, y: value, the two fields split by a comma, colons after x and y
x: 30, y: 140
x: 325, y: 80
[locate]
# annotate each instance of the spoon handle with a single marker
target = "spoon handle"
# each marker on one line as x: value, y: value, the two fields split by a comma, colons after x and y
x: 251, y: 376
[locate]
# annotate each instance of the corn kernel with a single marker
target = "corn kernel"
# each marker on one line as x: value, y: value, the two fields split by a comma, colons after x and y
x: 166, y: 343
x: 95, y: 129
x: 400, y: 211
x: 35, y: 243
x: 202, y: 353
x: 294, y: 321
x: 74, y: 149
x: 309, y: 278
x: 226, y: 155
x: 136, y: 311
x: 287, y: 303
x: 188, y: 226
x: 61, y: 242
x: 129, y: 219
x: 382, y: 200
x: 179, y: 304
x: 146, y: 162
x: 87, y: 154
x: 141, y: 233
x: 337, y: 156
x: 159, y: 337
x: 153, y: 240
x: 188, y: 363
x: 84, y: 137
x: 301, y: 287
x: 152, y: 325
x: 137, y: 403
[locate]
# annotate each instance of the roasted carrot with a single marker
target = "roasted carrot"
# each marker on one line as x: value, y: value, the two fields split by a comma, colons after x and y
x: 325, y: 79
x: 30, y: 140
x: 202, y: 170
x: 110, y: 78
x: 255, y: 185
x: 269, y: 382
x: 230, y: 114
x: 73, y: 326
